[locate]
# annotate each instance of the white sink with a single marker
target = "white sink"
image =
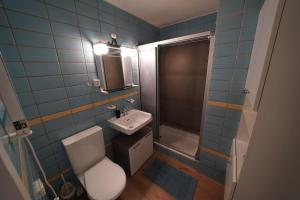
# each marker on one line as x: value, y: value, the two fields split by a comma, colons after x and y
x: 133, y: 121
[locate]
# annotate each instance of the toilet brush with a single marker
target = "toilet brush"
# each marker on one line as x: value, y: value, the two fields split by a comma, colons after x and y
x: 67, y: 190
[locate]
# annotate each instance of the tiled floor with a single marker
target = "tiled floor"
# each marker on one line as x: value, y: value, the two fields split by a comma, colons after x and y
x: 179, y: 140
x: 138, y: 187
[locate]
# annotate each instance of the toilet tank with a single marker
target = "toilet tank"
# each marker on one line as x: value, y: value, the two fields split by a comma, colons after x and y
x: 85, y: 149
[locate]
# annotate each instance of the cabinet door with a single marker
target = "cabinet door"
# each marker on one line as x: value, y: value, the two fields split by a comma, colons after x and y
x: 136, y: 156
x: 147, y: 146
x: 140, y: 152
x: 266, y: 31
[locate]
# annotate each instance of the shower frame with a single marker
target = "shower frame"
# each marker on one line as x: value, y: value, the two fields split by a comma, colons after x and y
x: 16, y: 185
x: 149, y: 68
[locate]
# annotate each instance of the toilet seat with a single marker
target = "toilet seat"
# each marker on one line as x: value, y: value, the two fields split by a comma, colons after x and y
x: 104, y: 181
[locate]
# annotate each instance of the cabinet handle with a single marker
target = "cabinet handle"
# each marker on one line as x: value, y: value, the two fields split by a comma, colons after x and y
x: 135, y: 146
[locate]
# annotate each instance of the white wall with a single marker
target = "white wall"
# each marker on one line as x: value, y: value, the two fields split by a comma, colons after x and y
x: 272, y: 168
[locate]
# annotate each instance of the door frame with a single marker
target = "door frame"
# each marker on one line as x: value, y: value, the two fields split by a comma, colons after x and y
x: 210, y: 36
x: 206, y: 90
x: 11, y: 185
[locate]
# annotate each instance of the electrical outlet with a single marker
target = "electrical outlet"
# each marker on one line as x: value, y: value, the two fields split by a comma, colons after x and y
x: 22, y: 128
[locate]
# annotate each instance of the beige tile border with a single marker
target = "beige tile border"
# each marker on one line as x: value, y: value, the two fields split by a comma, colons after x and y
x: 225, y: 105
x: 57, y: 115
x: 35, y: 121
x: 50, y: 117
x: 58, y: 175
x: 82, y: 108
x: 215, y: 153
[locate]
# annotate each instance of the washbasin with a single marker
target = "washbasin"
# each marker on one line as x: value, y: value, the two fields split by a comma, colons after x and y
x: 133, y: 121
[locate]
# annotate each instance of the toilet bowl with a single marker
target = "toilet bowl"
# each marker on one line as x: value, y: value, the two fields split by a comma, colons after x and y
x: 102, y: 178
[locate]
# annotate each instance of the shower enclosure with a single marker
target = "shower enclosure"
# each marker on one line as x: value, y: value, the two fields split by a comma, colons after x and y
x: 174, y: 81
x: 182, y: 76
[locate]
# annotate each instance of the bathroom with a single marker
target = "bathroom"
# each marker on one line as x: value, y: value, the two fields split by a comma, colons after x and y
x: 162, y: 99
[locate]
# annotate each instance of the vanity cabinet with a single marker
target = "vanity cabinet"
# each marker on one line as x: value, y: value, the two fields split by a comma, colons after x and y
x: 131, y: 151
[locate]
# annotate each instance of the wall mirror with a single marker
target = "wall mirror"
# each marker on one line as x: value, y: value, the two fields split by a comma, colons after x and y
x: 117, y: 68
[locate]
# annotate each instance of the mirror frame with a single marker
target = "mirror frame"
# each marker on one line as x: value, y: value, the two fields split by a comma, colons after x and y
x: 100, y: 69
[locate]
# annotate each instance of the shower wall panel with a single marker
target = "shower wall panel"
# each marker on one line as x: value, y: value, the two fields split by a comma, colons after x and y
x: 182, y: 76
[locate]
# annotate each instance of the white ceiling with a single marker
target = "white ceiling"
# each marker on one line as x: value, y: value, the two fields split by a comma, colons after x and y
x: 161, y: 13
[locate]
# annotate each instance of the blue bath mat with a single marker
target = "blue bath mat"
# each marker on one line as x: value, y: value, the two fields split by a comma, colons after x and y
x: 177, y: 183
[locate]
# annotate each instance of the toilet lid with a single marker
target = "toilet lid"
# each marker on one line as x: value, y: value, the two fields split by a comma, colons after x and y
x: 105, y: 181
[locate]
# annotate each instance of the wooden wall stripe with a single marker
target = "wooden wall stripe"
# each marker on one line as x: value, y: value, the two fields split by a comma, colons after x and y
x: 215, y: 153
x: 35, y: 121
x: 58, y: 175
x: 83, y: 108
x: 100, y: 103
x: 225, y: 105
x: 57, y: 115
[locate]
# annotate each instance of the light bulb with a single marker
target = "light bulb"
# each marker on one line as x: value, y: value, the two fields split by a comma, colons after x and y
x: 100, y: 49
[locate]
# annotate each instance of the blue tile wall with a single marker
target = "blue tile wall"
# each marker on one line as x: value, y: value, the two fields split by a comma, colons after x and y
x: 47, y: 48
x: 196, y: 25
x: 235, y: 31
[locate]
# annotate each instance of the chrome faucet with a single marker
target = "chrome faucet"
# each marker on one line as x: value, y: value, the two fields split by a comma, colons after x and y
x: 131, y: 101
x: 124, y: 109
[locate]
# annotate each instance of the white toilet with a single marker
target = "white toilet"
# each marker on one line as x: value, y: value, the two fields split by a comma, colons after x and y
x: 102, y: 178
